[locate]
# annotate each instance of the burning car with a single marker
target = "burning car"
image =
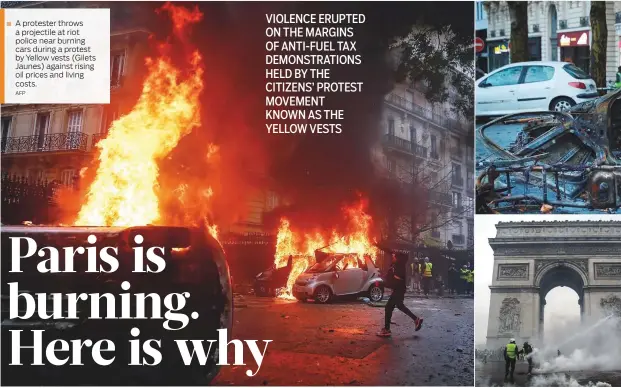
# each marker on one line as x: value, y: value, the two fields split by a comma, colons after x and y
x: 547, y: 160
x: 195, y: 263
x: 268, y: 282
x: 337, y: 275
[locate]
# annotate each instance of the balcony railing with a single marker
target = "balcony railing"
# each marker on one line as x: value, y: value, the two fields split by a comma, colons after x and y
x: 457, y: 181
x: 432, y: 116
x: 96, y: 138
x: 458, y: 239
x: 68, y: 141
x: 440, y: 198
x: 405, y: 145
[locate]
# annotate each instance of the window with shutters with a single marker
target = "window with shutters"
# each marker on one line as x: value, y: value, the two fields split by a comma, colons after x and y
x: 74, y: 121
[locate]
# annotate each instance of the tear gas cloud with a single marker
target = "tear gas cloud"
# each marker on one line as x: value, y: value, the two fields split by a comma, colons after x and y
x: 596, y: 347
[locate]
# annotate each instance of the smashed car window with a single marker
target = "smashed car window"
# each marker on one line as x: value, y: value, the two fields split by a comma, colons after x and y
x: 538, y: 74
x: 575, y: 72
x: 505, y: 77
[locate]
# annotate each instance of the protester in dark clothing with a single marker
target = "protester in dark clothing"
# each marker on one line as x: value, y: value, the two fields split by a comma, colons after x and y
x: 526, y: 351
x: 453, y: 279
x: 395, y: 279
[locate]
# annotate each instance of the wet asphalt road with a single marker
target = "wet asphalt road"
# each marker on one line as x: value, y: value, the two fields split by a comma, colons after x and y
x: 492, y: 374
x: 336, y: 344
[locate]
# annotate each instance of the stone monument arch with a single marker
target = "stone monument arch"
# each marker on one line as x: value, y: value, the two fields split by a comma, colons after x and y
x: 532, y: 258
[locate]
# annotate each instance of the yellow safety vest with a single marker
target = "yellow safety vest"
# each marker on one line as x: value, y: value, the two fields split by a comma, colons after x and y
x: 427, y: 272
x: 511, y: 350
x: 470, y: 276
x: 464, y: 274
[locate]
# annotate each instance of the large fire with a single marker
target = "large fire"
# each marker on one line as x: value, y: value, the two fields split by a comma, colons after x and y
x: 302, y: 245
x: 124, y: 191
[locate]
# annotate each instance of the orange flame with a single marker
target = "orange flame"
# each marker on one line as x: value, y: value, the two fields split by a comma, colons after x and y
x: 124, y: 191
x: 302, y: 246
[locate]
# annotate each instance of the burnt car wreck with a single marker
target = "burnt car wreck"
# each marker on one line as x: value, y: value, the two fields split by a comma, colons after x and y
x: 552, y: 161
x: 195, y: 263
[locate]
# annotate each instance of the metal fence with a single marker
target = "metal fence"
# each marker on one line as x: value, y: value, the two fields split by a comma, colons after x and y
x: 26, y: 199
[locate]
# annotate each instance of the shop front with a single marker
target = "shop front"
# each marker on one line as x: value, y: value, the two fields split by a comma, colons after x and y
x: 575, y: 48
x: 499, y: 52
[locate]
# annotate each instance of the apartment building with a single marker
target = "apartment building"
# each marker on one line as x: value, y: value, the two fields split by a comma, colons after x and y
x: 428, y: 146
x: 52, y: 142
x: 557, y: 31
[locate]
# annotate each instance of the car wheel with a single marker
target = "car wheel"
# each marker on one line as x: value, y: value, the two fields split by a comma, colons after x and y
x: 561, y: 104
x: 323, y: 294
x: 376, y: 293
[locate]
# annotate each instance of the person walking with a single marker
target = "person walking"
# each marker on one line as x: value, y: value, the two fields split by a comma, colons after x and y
x: 511, y: 352
x: 427, y: 276
x: 395, y: 280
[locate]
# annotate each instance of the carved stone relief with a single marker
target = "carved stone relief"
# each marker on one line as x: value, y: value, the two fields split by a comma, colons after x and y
x: 611, y: 305
x: 510, y: 316
x: 551, y: 250
x: 541, y: 265
x: 607, y: 270
x: 513, y: 271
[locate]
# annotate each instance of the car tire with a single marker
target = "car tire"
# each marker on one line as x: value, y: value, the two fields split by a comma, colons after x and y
x: 323, y: 295
x: 561, y: 104
x: 376, y: 293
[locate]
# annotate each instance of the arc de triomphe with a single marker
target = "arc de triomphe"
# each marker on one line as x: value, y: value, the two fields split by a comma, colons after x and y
x: 532, y: 258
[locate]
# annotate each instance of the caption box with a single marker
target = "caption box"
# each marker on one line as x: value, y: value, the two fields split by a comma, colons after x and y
x: 56, y: 56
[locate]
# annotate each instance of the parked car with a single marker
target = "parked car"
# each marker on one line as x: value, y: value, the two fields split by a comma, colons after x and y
x: 340, y: 275
x: 268, y: 282
x: 533, y: 87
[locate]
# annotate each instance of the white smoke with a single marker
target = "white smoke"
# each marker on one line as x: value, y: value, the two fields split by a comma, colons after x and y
x: 595, y: 348
x: 561, y: 380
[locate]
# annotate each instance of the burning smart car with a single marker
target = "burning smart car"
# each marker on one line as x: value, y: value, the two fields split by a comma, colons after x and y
x: 336, y: 275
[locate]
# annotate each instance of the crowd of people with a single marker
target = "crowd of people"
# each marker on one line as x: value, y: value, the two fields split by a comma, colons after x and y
x: 423, y: 279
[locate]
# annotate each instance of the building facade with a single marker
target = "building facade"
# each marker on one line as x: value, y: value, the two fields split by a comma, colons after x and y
x: 557, y: 31
x: 52, y: 142
x: 426, y: 145
x: 480, y: 26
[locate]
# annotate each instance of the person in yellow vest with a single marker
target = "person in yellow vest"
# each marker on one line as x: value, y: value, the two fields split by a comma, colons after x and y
x: 470, y: 280
x: 463, y: 279
x: 511, y: 352
x: 427, y: 276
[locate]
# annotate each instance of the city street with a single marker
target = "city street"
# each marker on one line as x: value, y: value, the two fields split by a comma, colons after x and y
x: 336, y: 344
x: 492, y: 374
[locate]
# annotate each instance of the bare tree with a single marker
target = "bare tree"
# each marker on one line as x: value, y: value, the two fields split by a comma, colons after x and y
x: 599, y: 31
x: 518, y: 12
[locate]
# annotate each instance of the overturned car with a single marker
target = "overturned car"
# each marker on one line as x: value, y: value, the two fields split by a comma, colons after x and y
x: 194, y: 263
x: 552, y: 161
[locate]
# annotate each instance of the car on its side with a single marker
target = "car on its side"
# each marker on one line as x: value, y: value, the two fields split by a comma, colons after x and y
x: 340, y: 275
x: 533, y: 87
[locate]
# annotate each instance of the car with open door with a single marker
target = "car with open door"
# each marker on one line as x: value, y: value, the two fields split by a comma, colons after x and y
x: 340, y: 274
x: 268, y: 282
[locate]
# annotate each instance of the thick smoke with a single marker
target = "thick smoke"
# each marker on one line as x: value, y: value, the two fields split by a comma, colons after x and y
x: 315, y: 174
x: 596, y: 347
